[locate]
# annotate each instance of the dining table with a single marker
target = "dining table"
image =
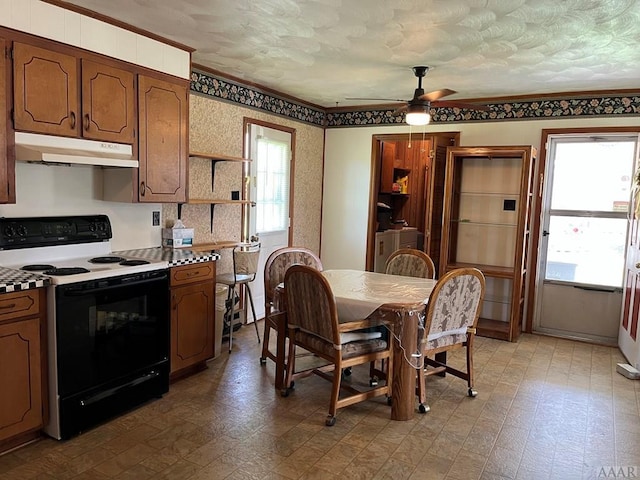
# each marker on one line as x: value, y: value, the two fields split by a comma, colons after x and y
x: 371, y: 299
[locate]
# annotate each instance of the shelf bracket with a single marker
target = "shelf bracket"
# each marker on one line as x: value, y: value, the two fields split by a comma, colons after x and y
x: 211, y: 216
x: 180, y: 211
x: 213, y: 172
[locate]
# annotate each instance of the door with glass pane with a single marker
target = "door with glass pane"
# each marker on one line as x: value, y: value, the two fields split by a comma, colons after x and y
x: 584, y: 227
x: 268, y: 221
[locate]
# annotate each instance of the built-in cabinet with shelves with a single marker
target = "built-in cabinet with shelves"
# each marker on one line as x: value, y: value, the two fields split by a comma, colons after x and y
x: 22, y: 366
x: 486, y: 224
x: 60, y: 94
x: 192, y: 316
x: 422, y: 160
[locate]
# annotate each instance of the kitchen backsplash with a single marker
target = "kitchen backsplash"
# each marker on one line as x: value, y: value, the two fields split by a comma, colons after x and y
x: 44, y: 190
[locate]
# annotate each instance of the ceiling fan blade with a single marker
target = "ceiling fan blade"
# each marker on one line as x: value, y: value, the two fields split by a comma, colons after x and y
x: 379, y: 99
x: 435, y: 95
x: 400, y: 110
x: 463, y: 105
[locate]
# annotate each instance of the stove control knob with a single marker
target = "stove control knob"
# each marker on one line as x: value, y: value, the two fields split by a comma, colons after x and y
x: 92, y: 227
x: 22, y: 231
x: 9, y: 231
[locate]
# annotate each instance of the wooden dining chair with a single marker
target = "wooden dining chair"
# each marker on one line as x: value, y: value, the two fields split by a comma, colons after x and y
x: 450, y: 323
x: 410, y: 262
x: 274, y: 270
x: 313, y: 325
x: 245, y: 267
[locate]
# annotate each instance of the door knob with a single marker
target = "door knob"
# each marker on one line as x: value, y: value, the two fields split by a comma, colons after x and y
x: 545, y: 233
x: 638, y: 265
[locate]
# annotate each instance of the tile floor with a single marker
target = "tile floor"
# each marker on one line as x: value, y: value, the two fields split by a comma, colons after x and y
x: 547, y: 409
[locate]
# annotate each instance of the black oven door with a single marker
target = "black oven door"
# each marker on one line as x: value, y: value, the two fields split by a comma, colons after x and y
x: 112, y: 345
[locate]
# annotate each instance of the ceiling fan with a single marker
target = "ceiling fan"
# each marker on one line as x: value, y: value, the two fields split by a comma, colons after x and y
x: 417, y: 109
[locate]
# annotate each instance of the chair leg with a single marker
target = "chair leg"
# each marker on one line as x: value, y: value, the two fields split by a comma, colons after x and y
x: 471, y: 392
x: 422, y: 393
x: 291, y: 366
x: 266, y: 334
x: 335, y: 392
x: 229, y: 313
x: 253, y: 310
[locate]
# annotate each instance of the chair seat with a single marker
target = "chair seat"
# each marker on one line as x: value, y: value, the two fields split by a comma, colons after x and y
x: 446, y: 340
x: 350, y: 349
x: 230, y: 279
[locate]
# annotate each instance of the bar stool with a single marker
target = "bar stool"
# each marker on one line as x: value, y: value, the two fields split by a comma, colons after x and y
x: 245, y: 266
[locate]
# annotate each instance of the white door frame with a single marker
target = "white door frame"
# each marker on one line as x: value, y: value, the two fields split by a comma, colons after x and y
x: 269, y: 241
x: 602, y: 300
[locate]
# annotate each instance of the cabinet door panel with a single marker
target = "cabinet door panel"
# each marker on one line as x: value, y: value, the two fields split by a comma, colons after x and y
x: 163, y: 111
x: 192, y: 323
x: 7, y: 157
x: 108, y: 103
x: 45, y: 91
x: 21, y: 400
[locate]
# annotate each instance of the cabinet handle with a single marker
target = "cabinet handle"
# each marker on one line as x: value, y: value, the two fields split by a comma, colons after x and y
x: 142, y: 189
x: 7, y: 307
x: 86, y: 122
x: 190, y: 274
x: 72, y: 117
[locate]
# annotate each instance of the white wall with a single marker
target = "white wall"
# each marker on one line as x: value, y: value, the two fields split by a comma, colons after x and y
x: 348, y: 170
x: 43, y: 190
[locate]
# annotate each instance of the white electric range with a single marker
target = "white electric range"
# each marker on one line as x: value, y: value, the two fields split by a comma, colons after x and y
x: 107, y: 317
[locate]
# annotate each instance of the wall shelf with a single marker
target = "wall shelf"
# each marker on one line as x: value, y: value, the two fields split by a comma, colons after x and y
x: 212, y: 202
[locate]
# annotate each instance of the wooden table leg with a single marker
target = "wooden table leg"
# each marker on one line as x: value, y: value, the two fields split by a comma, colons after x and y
x: 404, y: 374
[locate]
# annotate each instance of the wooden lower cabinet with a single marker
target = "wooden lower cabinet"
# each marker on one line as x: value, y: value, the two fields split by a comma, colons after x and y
x: 192, y: 317
x: 22, y: 366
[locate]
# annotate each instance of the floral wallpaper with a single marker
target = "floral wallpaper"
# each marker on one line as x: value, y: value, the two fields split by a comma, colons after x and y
x: 216, y: 127
x: 596, y: 105
x: 217, y: 110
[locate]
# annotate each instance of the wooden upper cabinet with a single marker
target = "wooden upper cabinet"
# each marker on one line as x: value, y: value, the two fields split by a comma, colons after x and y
x: 108, y: 103
x: 163, y: 150
x: 48, y: 94
x: 45, y: 87
x: 7, y: 157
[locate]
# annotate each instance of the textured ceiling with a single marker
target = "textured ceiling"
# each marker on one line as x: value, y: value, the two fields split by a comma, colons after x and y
x: 324, y: 51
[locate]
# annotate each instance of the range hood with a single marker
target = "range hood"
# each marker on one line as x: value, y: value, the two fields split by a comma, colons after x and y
x: 33, y: 147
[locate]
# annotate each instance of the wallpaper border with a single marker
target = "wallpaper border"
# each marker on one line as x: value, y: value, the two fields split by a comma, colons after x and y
x: 251, y: 97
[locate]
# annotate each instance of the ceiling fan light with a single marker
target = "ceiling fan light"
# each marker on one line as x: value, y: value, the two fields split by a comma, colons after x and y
x: 417, y: 118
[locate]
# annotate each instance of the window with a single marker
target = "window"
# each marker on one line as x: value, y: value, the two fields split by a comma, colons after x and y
x: 591, y: 182
x: 272, y: 185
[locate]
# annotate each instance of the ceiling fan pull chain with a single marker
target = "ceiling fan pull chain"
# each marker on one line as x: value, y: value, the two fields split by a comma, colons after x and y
x: 409, y: 146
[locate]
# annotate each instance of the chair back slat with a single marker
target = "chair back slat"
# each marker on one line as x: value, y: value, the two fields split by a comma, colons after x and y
x: 280, y: 260
x: 410, y: 262
x: 455, y: 303
x: 245, y: 259
x: 311, y: 305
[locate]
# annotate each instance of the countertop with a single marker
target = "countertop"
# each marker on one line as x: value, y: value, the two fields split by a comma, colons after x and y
x: 173, y: 256
x: 14, y: 280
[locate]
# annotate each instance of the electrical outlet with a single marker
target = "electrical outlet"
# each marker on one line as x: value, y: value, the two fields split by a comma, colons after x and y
x: 156, y: 219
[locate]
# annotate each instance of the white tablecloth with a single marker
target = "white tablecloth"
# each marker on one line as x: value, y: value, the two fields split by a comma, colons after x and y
x: 359, y: 294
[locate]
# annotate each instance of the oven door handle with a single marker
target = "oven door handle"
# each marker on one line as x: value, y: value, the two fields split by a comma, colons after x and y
x: 77, y: 292
x: 112, y: 391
